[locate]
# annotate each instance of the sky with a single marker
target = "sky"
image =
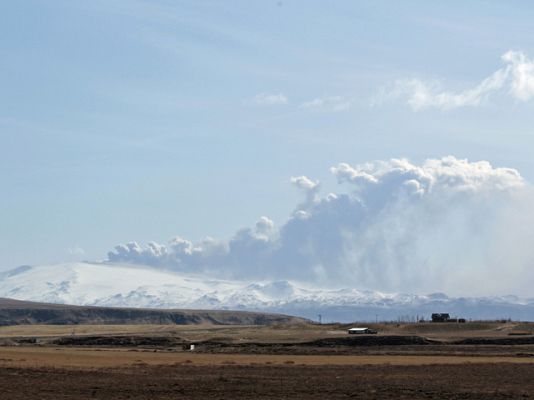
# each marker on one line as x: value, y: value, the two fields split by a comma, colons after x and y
x: 140, y: 121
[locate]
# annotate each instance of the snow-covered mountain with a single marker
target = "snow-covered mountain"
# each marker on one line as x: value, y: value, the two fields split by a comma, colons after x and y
x: 104, y: 284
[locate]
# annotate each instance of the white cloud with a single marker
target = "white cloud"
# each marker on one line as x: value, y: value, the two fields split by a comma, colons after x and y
x: 266, y: 99
x: 264, y: 226
x: 522, y: 71
x: 516, y: 77
x: 303, y: 182
x: 308, y: 186
x: 345, y: 172
x: 449, y: 172
x: 436, y: 226
x: 329, y: 103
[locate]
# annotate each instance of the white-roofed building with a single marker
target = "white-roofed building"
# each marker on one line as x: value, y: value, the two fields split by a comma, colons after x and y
x: 361, y: 331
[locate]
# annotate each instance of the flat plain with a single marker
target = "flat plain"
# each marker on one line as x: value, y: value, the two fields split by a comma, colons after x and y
x: 475, y: 360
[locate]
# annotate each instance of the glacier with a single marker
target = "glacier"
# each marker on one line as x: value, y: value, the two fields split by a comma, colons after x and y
x: 123, y: 285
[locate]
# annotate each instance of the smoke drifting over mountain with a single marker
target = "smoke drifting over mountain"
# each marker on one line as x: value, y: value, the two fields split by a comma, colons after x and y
x: 446, y: 225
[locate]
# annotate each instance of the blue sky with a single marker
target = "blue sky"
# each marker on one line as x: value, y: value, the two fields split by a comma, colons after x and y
x: 141, y: 120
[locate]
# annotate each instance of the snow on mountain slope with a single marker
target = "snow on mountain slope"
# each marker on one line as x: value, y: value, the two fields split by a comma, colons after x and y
x: 134, y: 286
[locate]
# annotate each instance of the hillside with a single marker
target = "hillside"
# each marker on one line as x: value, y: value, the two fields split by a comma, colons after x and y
x: 15, y: 312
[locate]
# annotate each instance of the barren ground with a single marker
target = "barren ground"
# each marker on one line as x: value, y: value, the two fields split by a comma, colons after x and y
x: 414, y: 361
x: 438, y: 381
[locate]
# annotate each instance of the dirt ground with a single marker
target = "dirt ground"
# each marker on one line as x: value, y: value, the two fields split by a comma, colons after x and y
x: 413, y: 361
x: 462, y: 381
x: 28, y: 357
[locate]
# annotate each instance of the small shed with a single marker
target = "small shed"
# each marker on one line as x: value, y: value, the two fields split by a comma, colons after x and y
x: 361, y: 331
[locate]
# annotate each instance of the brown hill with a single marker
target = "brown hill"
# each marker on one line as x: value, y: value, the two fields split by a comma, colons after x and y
x: 15, y: 312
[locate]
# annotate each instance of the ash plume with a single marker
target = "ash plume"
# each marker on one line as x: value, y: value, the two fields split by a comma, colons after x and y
x: 443, y: 225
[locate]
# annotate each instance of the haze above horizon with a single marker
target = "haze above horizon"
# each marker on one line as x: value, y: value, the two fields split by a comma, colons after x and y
x: 406, y: 129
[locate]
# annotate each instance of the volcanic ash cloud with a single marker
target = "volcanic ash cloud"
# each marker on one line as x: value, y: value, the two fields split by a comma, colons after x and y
x: 445, y: 225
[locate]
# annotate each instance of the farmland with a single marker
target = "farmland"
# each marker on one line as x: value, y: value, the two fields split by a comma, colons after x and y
x: 477, y: 360
x: 122, y: 354
x: 262, y: 379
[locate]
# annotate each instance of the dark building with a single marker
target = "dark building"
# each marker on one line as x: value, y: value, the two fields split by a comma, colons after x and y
x: 441, y: 317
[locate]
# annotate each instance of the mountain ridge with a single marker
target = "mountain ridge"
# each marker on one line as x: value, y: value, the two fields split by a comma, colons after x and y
x: 120, y: 285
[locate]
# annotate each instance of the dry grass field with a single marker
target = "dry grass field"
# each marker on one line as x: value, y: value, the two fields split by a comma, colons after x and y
x: 272, y: 333
x: 88, y: 358
x: 485, y: 360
